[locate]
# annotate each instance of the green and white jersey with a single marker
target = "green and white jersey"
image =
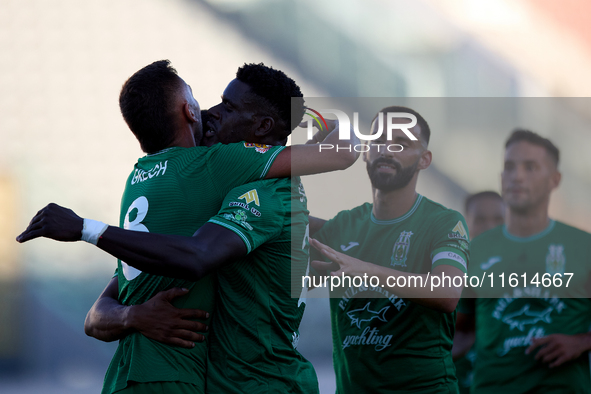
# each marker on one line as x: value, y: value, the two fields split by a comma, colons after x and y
x: 176, y: 191
x: 506, y: 324
x: 254, y: 333
x: 381, y: 342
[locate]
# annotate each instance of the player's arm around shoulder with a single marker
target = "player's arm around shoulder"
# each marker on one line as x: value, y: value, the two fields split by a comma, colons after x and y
x: 239, y: 163
x: 329, y: 152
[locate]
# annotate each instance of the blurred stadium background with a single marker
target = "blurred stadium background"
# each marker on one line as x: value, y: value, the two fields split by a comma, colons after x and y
x: 62, y: 139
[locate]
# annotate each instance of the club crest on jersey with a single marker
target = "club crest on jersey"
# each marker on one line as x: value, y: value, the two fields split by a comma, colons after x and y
x: 555, y: 259
x: 261, y: 148
x: 238, y: 217
x: 458, y: 232
x: 251, y: 196
x: 365, y: 314
x: 400, y: 250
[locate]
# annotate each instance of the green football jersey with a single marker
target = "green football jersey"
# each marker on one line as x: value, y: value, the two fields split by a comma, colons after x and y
x: 254, y: 333
x: 506, y: 323
x: 176, y: 191
x: 381, y: 342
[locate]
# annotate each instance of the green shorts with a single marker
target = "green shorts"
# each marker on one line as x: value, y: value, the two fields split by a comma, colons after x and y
x: 161, y: 388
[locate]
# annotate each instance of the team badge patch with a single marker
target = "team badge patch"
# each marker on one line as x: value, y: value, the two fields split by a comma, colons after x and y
x: 400, y: 250
x: 261, y: 148
x: 555, y: 259
x: 251, y: 196
x: 458, y: 232
x: 238, y: 217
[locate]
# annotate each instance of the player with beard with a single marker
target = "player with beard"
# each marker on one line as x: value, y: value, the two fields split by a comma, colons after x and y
x: 391, y: 338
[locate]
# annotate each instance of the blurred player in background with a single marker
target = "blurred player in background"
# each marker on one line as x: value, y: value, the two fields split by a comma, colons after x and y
x: 531, y: 337
x: 389, y: 338
x: 255, y: 327
x: 484, y: 210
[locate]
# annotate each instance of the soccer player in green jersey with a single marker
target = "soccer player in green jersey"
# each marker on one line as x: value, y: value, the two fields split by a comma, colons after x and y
x: 260, y: 354
x: 531, y: 337
x: 392, y: 335
x: 483, y: 211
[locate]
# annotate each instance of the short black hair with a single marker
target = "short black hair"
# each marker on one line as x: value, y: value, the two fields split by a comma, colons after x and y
x: 477, y: 196
x: 147, y: 101
x: 275, y: 91
x: 535, y: 139
x: 421, y: 122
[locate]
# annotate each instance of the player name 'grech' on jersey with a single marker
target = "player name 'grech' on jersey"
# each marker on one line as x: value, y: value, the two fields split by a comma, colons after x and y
x: 175, y: 191
x: 140, y: 175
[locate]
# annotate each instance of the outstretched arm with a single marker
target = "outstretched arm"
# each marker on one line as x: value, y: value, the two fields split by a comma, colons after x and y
x: 157, y: 318
x: 175, y: 256
x: 441, y: 298
x: 329, y: 154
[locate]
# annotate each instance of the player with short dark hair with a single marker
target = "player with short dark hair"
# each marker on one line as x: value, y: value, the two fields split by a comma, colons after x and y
x: 531, y: 336
x: 386, y: 338
x: 147, y: 101
x: 277, y: 92
x: 176, y: 191
x: 520, y: 135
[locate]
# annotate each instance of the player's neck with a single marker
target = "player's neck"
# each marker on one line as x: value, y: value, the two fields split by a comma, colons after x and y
x: 525, y: 223
x: 184, y: 139
x: 391, y: 205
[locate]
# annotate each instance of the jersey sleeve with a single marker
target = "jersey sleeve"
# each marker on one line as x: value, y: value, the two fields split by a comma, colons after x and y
x: 236, y: 164
x: 254, y: 212
x: 451, y: 245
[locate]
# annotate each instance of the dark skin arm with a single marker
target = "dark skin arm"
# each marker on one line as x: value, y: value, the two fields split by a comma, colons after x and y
x: 308, y: 159
x: 189, y: 258
x: 157, y: 318
x: 107, y: 319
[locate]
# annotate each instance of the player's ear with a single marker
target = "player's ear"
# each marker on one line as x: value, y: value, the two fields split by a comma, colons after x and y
x: 555, y: 179
x: 190, y: 113
x: 264, y: 125
x: 425, y: 160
